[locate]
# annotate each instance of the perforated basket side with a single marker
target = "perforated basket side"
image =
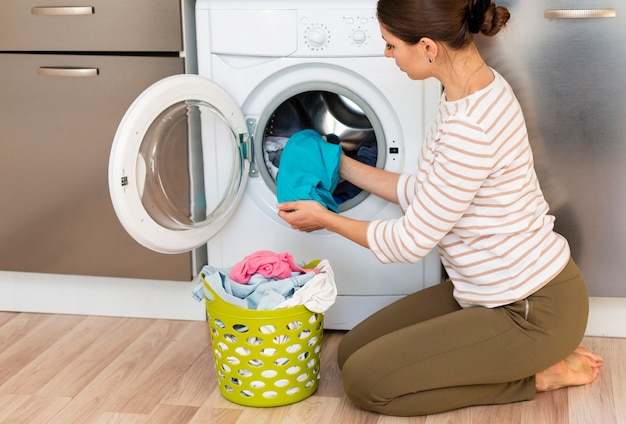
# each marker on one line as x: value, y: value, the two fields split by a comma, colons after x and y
x: 265, y: 358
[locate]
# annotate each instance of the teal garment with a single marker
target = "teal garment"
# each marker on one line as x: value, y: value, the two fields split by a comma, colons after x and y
x: 309, y: 169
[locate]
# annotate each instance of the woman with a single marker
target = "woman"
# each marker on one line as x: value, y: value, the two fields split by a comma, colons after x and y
x: 509, y: 321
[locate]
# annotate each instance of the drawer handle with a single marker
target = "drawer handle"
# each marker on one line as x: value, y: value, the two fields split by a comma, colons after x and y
x: 62, y: 10
x: 579, y: 13
x: 51, y: 71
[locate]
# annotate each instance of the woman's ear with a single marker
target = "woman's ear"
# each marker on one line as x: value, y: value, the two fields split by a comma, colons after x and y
x: 430, y: 48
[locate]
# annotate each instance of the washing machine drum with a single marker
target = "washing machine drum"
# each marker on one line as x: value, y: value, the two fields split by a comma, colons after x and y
x: 330, y: 114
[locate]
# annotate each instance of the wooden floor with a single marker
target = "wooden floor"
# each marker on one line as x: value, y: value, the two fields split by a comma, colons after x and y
x: 64, y: 369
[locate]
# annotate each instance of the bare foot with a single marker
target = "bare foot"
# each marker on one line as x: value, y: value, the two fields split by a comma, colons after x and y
x: 581, y: 367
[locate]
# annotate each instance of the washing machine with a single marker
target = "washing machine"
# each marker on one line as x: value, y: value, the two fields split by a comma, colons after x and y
x: 195, y: 158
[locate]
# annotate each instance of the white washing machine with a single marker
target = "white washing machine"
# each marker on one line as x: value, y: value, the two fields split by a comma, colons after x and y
x: 195, y: 158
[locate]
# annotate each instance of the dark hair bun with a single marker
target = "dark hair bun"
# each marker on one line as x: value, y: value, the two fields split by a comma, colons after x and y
x: 495, y: 18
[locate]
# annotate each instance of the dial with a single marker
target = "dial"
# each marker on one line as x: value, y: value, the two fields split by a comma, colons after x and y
x: 359, y: 36
x: 317, y: 37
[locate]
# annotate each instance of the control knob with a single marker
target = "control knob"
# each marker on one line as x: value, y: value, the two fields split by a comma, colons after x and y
x: 359, y: 36
x: 317, y: 37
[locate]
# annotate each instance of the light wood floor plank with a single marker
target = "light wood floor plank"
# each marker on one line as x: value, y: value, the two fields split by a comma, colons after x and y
x: 587, y: 404
x: 209, y: 414
x: 263, y: 416
x: 313, y: 410
x: 113, y: 384
x: 10, y: 403
x: 329, y: 371
x: 15, y: 326
x: 348, y: 413
x: 163, y: 371
x: 384, y: 419
x: 549, y: 407
x: 32, y: 377
x: 39, y: 411
x: 171, y: 414
x: 31, y: 339
x: 216, y: 400
x: 496, y: 413
x: 196, y: 382
x: 120, y: 418
x: 459, y: 416
x: 118, y: 334
x: 6, y: 317
x: 617, y: 366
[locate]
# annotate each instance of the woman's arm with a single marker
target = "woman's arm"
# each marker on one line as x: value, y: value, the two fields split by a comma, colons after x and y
x: 371, y: 179
x: 309, y: 215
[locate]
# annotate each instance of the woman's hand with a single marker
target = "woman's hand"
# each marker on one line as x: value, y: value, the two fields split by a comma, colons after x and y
x: 304, y: 215
x: 309, y: 215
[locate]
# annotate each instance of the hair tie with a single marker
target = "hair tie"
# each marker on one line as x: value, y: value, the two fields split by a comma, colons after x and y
x: 477, y: 9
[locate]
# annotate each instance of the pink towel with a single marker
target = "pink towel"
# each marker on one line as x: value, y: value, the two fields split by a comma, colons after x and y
x: 266, y: 263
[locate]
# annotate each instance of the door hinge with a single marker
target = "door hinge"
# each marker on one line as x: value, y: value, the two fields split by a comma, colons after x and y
x: 251, y: 124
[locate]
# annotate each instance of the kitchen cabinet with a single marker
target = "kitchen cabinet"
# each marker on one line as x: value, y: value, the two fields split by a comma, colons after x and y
x: 68, y: 72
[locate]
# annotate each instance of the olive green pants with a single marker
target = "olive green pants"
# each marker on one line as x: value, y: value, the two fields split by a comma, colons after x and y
x: 424, y: 354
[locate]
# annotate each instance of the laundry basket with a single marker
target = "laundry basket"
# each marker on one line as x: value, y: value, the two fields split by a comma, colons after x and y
x: 264, y: 358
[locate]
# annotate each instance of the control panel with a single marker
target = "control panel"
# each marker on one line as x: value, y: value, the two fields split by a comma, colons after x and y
x: 350, y: 32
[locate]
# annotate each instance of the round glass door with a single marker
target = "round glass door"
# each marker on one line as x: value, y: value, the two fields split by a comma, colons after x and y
x: 179, y: 163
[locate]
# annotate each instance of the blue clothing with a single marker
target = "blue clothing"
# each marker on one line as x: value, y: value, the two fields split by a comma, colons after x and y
x: 309, y: 169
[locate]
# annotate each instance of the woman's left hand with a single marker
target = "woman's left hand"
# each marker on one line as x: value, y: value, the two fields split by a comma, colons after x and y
x: 303, y: 215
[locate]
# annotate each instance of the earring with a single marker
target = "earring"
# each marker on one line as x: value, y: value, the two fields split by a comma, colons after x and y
x: 430, y: 60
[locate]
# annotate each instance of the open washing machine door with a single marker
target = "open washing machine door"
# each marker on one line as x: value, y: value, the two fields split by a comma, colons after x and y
x: 179, y: 163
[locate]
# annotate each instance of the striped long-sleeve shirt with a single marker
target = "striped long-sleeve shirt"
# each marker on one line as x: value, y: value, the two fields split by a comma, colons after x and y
x: 477, y: 198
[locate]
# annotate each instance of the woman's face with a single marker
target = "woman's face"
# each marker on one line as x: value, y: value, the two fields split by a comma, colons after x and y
x: 411, y: 59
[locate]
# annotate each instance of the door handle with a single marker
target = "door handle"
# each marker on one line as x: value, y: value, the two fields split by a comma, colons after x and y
x: 62, y: 10
x: 51, y: 71
x: 578, y: 13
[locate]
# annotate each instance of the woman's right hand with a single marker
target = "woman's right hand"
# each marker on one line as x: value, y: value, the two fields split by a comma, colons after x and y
x: 303, y: 215
x: 310, y: 215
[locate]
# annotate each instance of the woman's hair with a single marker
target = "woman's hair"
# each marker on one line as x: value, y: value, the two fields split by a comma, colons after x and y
x: 453, y: 22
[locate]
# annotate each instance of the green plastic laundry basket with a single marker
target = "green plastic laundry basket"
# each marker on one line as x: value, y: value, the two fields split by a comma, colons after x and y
x: 264, y: 358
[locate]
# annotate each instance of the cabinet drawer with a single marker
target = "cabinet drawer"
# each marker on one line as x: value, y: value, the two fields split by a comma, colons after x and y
x: 91, y: 25
x: 56, y: 133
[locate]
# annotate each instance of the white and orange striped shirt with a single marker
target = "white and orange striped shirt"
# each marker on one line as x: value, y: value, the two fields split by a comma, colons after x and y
x: 477, y: 198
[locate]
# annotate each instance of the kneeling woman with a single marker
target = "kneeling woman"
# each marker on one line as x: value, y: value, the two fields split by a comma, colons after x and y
x: 509, y: 321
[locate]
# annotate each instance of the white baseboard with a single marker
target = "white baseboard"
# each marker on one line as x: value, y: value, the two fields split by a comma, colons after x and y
x: 80, y: 295
x: 70, y: 294
x: 607, y: 317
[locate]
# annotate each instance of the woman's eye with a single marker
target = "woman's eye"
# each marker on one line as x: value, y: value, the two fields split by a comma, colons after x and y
x: 389, y: 46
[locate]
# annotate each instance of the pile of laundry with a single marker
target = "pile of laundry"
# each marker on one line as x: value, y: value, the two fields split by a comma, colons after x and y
x: 266, y: 280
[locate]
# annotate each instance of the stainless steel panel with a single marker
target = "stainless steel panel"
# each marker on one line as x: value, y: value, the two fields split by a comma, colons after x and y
x: 568, y: 74
x: 96, y: 25
x: 55, y: 138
